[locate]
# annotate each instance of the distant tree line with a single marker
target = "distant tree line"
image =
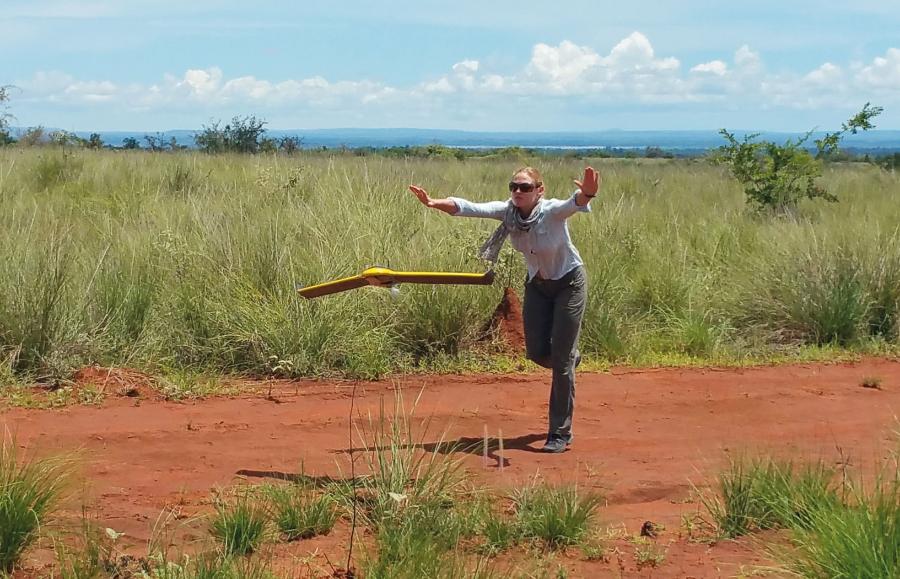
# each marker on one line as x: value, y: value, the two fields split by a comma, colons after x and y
x: 760, y: 166
x: 243, y: 135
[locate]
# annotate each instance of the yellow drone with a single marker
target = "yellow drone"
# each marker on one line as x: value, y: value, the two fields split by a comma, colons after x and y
x: 388, y: 278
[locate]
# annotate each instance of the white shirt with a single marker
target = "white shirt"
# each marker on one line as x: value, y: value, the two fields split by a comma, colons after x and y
x: 547, y: 246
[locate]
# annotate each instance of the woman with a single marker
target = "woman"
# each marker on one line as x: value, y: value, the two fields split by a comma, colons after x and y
x: 555, y: 289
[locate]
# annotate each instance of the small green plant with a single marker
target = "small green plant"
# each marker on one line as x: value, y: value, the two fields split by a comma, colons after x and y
x: 777, y: 177
x: 499, y: 534
x: 30, y: 490
x: 301, y: 515
x: 593, y: 548
x: 208, y: 566
x: 186, y: 384
x: 95, y: 555
x: 873, y: 382
x: 557, y: 516
x: 406, y: 551
x: 647, y: 553
x: 240, y: 525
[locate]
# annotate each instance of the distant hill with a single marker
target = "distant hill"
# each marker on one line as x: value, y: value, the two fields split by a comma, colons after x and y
x: 695, y: 141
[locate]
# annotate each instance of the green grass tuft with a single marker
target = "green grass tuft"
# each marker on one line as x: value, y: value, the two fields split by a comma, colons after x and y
x: 30, y: 491
x: 299, y: 514
x: 559, y: 517
x: 240, y: 525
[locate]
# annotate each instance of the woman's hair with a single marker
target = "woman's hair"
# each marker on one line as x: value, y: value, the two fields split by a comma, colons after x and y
x: 532, y: 173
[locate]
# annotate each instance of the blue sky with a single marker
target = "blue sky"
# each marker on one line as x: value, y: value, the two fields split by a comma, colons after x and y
x: 148, y: 65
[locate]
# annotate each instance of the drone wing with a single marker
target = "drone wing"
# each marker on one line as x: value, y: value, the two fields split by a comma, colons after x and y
x: 333, y: 287
x: 440, y: 277
x: 383, y: 277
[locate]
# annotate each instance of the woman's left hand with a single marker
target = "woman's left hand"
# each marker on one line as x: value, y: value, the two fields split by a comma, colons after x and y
x: 591, y: 183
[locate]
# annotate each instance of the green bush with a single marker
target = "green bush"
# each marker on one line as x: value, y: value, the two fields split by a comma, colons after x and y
x: 777, y: 177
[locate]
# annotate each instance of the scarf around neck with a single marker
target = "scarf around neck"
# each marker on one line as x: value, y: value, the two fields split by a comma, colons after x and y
x: 512, y: 221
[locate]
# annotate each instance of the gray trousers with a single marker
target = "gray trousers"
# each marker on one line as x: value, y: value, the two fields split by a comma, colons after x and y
x: 553, y: 311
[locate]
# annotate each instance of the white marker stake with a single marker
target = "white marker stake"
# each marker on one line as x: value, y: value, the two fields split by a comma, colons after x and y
x: 500, y: 437
x: 485, y: 446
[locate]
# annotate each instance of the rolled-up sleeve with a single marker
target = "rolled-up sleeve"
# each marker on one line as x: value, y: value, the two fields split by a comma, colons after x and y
x: 488, y: 210
x: 565, y: 208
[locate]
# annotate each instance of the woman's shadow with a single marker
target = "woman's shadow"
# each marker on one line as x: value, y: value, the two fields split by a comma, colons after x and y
x: 465, y: 445
x: 477, y: 446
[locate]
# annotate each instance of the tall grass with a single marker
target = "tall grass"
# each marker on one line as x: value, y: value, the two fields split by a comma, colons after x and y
x: 189, y: 262
x: 837, y: 529
x: 411, y: 494
x: 763, y: 493
x: 30, y: 490
x: 859, y: 540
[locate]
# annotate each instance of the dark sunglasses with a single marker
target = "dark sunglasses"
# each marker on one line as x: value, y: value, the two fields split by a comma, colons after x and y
x: 523, y: 187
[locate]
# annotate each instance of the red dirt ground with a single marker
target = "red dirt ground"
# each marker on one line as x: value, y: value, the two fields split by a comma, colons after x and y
x: 642, y: 438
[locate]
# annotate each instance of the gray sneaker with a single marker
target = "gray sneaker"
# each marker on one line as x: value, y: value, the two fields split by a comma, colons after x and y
x: 555, y: 444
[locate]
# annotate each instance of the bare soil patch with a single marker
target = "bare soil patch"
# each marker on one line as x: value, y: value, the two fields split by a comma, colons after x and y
x: 642, y: 438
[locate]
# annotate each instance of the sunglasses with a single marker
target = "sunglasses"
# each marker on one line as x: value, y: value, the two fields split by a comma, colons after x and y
x: 523, y: 187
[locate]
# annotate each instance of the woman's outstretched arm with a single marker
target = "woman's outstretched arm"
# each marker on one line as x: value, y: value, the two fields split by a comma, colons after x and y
x: 461, y: 207
x: 446, y: 205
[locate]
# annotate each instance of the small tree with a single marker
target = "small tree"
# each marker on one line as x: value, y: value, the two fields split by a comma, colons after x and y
x: 130, y: 143
x: 94, y: 141
x: 33, y: 136
x: 241, y: 135
x: 63, y: 138
x: 5, y: 137
x: 156, y: 143
x: 290, y: 144
x: 174, y: 146
x: 777, y: 177
x: 268, y: 145
x: 245, y: 134
x: 211, y: 139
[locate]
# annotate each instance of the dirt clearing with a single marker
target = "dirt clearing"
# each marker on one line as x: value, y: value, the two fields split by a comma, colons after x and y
x: 642, y: 437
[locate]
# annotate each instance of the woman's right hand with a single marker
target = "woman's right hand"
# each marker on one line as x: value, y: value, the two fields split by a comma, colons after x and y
x: 448, y: 206
x: 422, y: 195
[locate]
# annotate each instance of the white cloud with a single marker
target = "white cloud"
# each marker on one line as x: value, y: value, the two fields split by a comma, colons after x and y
x: 636, y: 52
x: 561, y: 65
x: 441, y: 85
x: 716, y: 67
x: 46, y: 82
x: 747, y: 60
x: 825, y: 75
x: 200, y: 84
x: 630, y: 73
x: 466, y: 66
x: 883, y: 73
